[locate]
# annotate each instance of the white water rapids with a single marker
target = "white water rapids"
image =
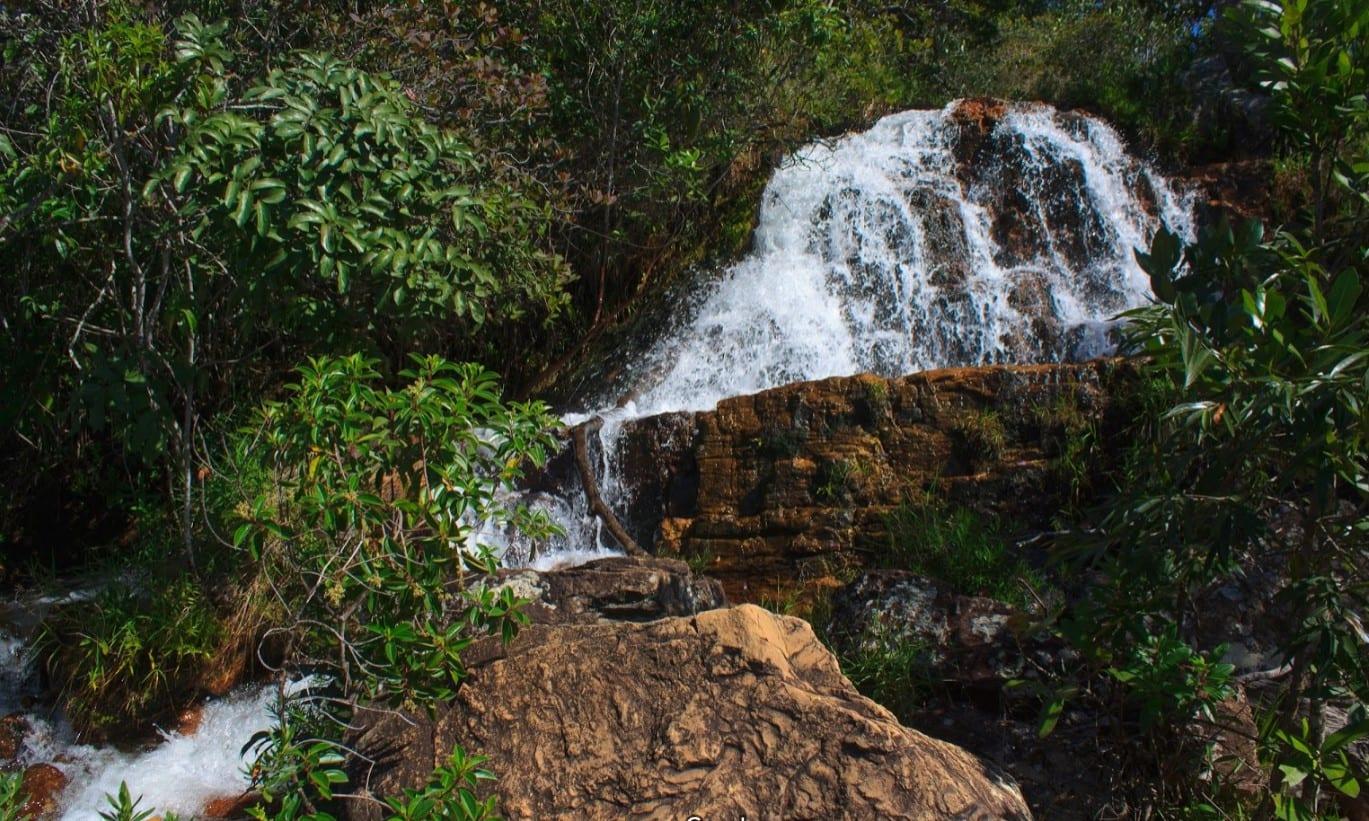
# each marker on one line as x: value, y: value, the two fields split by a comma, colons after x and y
x: 913, y: 245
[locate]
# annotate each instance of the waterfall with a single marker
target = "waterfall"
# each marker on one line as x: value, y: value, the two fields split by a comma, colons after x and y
x: 980, y: 233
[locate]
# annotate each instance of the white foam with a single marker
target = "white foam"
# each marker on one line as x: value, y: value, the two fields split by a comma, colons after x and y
x: 182, y: 773
x: 570, y: 557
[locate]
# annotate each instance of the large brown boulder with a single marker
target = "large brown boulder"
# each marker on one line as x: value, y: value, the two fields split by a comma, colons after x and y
x: 730, y: 713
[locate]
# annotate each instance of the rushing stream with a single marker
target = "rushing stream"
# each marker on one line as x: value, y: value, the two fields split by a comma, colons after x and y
x: 936, y: 238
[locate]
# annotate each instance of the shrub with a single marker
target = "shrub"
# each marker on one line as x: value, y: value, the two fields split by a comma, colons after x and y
x: 1072, y: 436
x: 1259, y: 458
x: 370, y: 536
x: 959, y: 547
x: 133, y: 653
x: 235, y: 224
x: 372, y: 523
x: 1132, y: 71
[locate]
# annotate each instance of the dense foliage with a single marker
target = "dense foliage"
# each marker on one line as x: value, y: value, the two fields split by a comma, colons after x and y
x: 193, y: 207
x: 1255, y: 471
x: 178, y: 234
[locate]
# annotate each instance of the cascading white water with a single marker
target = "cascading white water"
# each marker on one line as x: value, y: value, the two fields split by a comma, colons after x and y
x: 179, y: 774
x: 875, y: 253
x: 899, y: 249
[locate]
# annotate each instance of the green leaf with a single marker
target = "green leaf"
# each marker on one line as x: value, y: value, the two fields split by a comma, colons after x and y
x: 1050, y: 716
x: 1344, y: 297
x: 1293, y: 775
x: 1340, y: 775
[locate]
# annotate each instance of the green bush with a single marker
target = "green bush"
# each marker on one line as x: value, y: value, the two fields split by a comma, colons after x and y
x: 133, y: 653
x: 1131, y: 70
x: 371, y: 524
x: 181, y: 234
x: 959, y: 547
x: 369, y: 537
x: 1259, y: 458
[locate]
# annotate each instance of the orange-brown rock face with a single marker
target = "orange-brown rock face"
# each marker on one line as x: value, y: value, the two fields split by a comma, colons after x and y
x: 731, y: 713
x: 790, y: 486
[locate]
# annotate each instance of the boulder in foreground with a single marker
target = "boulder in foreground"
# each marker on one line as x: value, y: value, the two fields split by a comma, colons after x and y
x: 729, y: 713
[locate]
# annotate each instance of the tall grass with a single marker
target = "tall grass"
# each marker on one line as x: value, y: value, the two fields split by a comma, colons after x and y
x: 957, y: 546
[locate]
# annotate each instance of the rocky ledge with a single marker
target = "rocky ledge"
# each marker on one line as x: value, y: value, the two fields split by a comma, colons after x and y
x: 792, y: 486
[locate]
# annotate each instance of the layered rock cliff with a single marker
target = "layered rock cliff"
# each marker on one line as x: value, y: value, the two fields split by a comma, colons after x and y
x: 790, y: 487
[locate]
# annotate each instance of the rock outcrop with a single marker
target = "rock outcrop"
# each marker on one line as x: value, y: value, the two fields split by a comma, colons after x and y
x: 972, y: 642
x: 616, y: 589
x: 792, y: 486
x: 730, y: 713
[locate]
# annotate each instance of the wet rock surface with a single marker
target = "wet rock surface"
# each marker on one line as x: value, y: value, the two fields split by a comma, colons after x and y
x: 41, y: 787
x: 13, y: 729
x: 730, y: 713
x: 229, y: 806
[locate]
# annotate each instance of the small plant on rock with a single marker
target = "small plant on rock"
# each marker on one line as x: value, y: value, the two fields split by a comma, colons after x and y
x: 834, y: 479
x: 981, y: 437
x: 958, y: 546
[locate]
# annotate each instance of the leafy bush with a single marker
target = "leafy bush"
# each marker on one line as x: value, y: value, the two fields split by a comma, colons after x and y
x: 449, y: 794
x: 1170, y: 681
x: 180, y: 235
x: 1260, y: 459
x: 370, y: 534
x: 1131, y: 71
x: 372, y: 524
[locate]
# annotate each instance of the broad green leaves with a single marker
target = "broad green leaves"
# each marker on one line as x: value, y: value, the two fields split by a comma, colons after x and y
x: 376, y: 504
x: 308, y: 210
x: 368, y: 526
x: 332, y: 176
